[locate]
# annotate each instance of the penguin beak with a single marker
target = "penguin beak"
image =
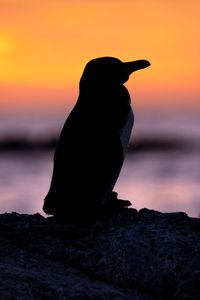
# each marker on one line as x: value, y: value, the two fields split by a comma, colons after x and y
x: 136, y: 65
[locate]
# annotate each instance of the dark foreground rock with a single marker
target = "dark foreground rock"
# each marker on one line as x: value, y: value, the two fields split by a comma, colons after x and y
x: 129, y: 255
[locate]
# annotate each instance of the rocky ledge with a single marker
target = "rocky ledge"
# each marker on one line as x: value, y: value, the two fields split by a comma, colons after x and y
x: 127, y: 255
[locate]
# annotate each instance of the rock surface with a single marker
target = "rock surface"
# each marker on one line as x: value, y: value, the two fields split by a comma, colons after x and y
x: 141, y: 255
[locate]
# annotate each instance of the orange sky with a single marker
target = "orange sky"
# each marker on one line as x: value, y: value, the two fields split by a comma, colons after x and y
x: 44, y: 45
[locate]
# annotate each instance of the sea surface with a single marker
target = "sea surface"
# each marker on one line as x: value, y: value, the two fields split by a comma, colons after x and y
x: 161, y: 170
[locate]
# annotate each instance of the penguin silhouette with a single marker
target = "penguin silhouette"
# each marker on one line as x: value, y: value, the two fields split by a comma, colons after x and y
x: 94, y: 139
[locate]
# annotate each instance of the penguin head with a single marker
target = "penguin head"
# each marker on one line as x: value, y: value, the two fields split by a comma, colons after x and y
x: 110, y: 70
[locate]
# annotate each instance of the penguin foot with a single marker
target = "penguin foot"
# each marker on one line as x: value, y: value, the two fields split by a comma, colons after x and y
x: 113, y: 203
x: 48, y: 208
x: 67, y: 213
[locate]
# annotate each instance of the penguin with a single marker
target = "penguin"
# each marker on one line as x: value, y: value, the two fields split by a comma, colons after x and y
x: 94, y: 139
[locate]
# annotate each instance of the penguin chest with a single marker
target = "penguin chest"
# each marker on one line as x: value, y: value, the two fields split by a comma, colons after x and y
x: 125, y: 131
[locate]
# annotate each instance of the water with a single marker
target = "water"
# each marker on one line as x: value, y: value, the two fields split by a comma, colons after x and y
x: 24, y: 180
x: 163, y: 180
x: 155, y: 180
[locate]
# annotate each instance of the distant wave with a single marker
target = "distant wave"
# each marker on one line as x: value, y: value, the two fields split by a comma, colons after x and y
x: 17, y: 144
x: 163, y: 144
x: 143, y: 144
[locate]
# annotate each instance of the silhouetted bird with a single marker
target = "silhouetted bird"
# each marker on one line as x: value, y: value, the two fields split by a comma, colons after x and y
x: 93, y: 141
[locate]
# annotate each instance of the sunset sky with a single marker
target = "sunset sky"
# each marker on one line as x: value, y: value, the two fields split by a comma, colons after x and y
x: 45, y: 44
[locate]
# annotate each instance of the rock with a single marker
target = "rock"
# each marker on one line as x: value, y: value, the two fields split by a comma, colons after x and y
x: 126, y: 255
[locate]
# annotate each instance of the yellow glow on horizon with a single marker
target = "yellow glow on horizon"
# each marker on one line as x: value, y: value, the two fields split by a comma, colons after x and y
x: 47, y: 43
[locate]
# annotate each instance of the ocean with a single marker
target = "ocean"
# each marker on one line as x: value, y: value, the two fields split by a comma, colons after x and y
x: 161, y: 170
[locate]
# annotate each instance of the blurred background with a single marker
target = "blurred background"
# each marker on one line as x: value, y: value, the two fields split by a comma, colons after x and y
x: 44, y: 46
